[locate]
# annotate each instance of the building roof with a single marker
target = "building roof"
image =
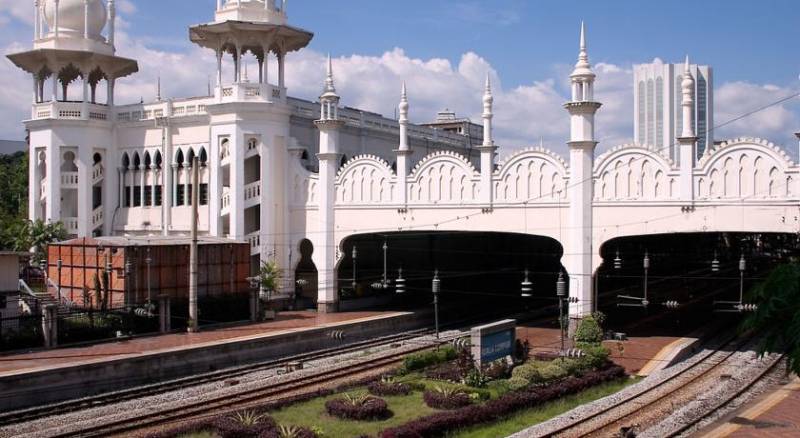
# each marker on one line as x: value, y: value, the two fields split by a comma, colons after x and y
x: 121, y: 241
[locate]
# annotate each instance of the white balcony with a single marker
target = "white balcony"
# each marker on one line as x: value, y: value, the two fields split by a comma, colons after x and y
x: 70, y: 224
x: 97, y: 218
x: 225, y: 203
x: 249, y: 92
x: 97, y: 174
x: 252, y: 194
x: 69, y: 111
x: 69, y: 180
x: 254, y: 239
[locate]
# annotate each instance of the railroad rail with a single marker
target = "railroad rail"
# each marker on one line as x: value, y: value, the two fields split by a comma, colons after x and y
x: 650, y: 402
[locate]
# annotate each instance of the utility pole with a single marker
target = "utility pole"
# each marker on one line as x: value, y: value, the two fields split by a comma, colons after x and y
x: 193, y: 269
x: 436, y: 287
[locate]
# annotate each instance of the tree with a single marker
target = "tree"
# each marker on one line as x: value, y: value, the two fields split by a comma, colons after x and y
x: 778, y: 315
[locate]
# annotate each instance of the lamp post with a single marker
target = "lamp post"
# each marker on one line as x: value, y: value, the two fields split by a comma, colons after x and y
x: 148, y: 261
x: 646, y: 266
x: 742, y: 268
x: 436, y: 287
x: 385, y: 252
x: 128, y: 270
x: 561, y: 293
x: 59, y: 265
x: 355, y: 256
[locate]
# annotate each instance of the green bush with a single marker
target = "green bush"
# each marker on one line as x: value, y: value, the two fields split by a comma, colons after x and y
x: 596, y: 355
x: 476, y: 379
x: 571, y: 366
x: 589, y: 331
x: 418, y: 361
x: 528, y: 372
x: 552, y: 372
x: 517, y: 383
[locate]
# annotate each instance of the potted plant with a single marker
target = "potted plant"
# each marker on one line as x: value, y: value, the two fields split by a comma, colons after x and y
x: 269, y: 275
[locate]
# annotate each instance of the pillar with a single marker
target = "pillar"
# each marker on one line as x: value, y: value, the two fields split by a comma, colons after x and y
x: 85, y: 164
x: 187, y: 183
x: 403, y: 151
x: 35, y: 186
x: 50, y: 326
x: 579, y: 249
x: 37, y: 21
x: 237, y: 150
x: 85, y: 103
x: 53, y: 193
x: 86, y: 19
x: 487, y: 149
x: 175, y: 181
x: 55, y: 19
x: 687, y: 140
x: 281, y: 71
x: 132, y: 172
x: 112, y: 18
x: 214, y: 186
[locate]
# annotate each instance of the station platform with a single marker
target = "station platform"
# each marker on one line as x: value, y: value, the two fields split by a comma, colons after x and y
x: 640, y: 353
x: 71, y: 372
x: 773, y: 414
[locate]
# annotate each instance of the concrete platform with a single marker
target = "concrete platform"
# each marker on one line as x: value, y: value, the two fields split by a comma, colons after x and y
x: 61, y: 374
x: 774, y: 414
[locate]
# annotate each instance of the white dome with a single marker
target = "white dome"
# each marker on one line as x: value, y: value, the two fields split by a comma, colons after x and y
x: 71, y: 17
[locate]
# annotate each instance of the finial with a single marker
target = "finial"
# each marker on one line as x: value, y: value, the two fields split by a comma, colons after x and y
x: 403, y: 93
x: 488, y: 84
x: 541, y: 142
x: 403, y: 107
x: 329, y: 87
x: 583, y: 36
x: 488, y: 99
x: 686, y: 68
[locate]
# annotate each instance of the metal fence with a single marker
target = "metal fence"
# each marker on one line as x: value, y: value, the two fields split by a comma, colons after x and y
x: 21, y: 332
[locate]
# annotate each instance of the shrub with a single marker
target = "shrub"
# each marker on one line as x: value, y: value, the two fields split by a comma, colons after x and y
x: 596, y: 356
x: 589, y: 331
x: 443, y: 422
x: 528, y: 372
x: 244, y: 424
x: 387, y: 386
x: 476, y: 379
x: 418, y: 361
x: 446, y: 371
x: 571, y: 366
x: 498, y: 369
x: 295, y: 432
x: 465, y: 362
x: 552, y: 371
x: 363, y: 407
x: 517, y: 383
x: 522, y: 350
x: 446, y: 398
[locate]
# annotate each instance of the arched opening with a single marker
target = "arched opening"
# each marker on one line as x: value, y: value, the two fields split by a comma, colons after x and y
x: 68, y: 164
x: 478, y: 270
x: 682, y: 269
x: 305, y: 277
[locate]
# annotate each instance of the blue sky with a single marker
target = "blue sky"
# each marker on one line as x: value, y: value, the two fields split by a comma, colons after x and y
x: 443, y: 49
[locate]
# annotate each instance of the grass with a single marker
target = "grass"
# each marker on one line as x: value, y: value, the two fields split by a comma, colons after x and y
x: 312, y: 413
x: 529, y: 417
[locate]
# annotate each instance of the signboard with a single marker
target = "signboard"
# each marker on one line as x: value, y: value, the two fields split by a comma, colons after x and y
x: 494, y: 341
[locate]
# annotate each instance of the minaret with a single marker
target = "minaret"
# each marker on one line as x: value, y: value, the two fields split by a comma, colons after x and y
x: 578, y: 249
x: 403, y: 151
x: 325, y: 244
x: 487, y: 149
x: 688, y: 139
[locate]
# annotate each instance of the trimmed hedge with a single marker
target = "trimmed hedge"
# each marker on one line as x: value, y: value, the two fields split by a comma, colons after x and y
x: 373, y: 409
x: 384, y: 389
x: 443, y: 422
x: 418, y: 361
x: 439, y: 400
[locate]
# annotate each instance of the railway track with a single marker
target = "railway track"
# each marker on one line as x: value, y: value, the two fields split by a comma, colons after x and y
x: 648, y: 406
x: 240, y: 400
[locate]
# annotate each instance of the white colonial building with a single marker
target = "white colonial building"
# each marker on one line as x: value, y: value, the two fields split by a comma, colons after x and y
x: 282, y: 173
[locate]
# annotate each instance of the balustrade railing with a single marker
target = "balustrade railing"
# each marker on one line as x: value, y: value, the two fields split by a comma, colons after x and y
x: 252, y: 191
x: 69, y: 179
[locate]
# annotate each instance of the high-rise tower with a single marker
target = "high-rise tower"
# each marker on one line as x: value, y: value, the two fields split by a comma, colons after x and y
x: 658, y: 113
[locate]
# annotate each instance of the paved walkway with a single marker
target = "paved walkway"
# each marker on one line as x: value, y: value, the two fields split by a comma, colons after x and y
x: 287, y: 321
x: 636, y: 354
x: 775, y: 414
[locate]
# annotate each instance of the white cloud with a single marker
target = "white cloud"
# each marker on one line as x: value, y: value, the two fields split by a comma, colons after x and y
x: 523, y: 113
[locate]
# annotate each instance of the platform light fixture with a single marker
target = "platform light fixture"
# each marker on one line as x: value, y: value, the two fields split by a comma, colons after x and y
x: 715, y: 263
x: 436, y: 287
x: 400, y: 283
x: 527, y: 286
x: 617, y: 261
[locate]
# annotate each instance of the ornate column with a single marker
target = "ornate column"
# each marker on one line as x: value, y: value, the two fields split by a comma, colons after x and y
x: 53, y: 192
x: 688, y: 139
x: 85, y: 210
x: 187, y: 183
x: 579, y: 251
x: 121, y: 172
x: 281, y: 71
x: 85, y: 103
x: 487, y: 149
x: 403, y: 152
x: 174, y: 186
x: 325, y: 243
x: 132, y: 171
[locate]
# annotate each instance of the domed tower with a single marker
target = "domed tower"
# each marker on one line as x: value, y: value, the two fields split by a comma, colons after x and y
x: 71, y: 127
x: 255, y: 26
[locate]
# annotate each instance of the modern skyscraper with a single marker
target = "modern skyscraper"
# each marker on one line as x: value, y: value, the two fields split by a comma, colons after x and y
x: 657, y: 106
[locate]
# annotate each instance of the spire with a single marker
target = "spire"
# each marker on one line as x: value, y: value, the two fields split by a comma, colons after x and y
x: 329, y: 87
x: 583, y: 67
x: 687, y: 86
x: 488, y: 98
x: 403, y: 107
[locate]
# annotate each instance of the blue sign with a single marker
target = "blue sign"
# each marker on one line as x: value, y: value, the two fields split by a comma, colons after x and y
x: 497, y: 346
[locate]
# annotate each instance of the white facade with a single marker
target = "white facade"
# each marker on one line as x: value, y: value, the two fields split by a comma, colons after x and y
x: 271, y: 180
x: 657, y: 106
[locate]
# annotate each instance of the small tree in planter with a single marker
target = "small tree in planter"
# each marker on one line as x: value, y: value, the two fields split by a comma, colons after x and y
x: 269, y: 275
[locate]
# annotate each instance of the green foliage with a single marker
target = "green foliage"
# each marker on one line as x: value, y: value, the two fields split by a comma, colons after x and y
x: 249, y: 418
x: 269, y: 275
x: 571, y: 366
x: 285, y: 431
x: 517, y: 383
x: 528, y: 372
x: 596, y: 355
x: 589, y: 330
x: 552, y: 372
x: 418, y: 361
x: 476, y: 379
x: 447, y: 391
x: 778, y: 315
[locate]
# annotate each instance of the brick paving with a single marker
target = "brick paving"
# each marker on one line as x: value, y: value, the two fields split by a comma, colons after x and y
x: 637, y: 352
x: 286, y: 321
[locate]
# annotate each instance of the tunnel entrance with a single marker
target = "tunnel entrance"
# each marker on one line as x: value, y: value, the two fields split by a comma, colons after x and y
x: 698, y: 272
x: 479, y: 271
